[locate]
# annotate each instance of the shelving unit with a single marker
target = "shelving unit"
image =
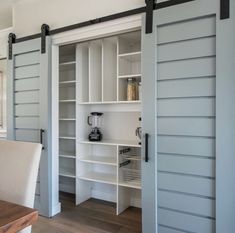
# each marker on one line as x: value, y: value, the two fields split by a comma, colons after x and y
x: 109, y: 169
x: 67, y: 119
x: 105, y: 66
x: 129, y: 62
x: 93, y: 78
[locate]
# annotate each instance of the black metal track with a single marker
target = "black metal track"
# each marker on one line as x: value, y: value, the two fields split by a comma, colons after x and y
x: 224, y: 9
x: 105, y: 19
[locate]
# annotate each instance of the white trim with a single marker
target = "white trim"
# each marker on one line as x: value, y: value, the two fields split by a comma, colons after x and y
x: 98, y: 30
x: 56, y: 209
x: 87, y: 33
x: 56, y: 205
x: 6, y: 31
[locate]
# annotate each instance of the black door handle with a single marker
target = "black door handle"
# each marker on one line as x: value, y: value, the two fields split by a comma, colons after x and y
x: 41, y: 137
x: 146, y: 147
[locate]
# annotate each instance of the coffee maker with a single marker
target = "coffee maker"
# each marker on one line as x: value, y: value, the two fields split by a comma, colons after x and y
x: 94, y: 120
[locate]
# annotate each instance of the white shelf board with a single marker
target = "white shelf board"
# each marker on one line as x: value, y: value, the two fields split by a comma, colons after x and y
x: 67, y: 119
x: 129, y: 54
x: 99, y: 160
x: 130, y: 76
x: 132, y: 157
x: 67, y: 63
x: 68, y: 156
x: 67, y: 83
x: 67, y: 101
x: 130, y: 185
x: 111, y: 102
x: 66, y: 173
x: 67, y: 137
x: 129, y: 102
x: 131, y: 57
x: 67, y: 153
x: 99, y: 177
x: 113, y: 143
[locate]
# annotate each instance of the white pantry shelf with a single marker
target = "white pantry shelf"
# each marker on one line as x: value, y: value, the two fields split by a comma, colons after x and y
x: 67, y: 63
x: 135, y: 185
x: 67, y: 156
x: 67, y: 83
x: 67, y: 137
x: 99, y: 160
x: 130, y: 76
x: 67, y: 119
x: 68, y: 174
x: 67, y: 153
x: 132, y: 157
x: 113, y: 143
x: 99, y: 177
x: 129, y: 54
x: 67, y: 101
x: 110, y: 102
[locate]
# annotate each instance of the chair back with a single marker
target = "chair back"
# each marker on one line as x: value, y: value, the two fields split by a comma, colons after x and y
x: 19, y: 164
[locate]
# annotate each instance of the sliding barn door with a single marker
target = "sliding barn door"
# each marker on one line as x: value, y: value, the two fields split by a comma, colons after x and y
x: 28, y: 107
x: 188, y: 95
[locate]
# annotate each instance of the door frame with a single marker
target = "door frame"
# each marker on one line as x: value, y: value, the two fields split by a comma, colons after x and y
x: 225, y: 93
x: 105, y: 29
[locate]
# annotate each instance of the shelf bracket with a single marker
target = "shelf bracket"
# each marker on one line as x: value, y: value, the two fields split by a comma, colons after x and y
x: 11, y: 40
x: 124, y: 151
x: 45, y: 31
x: 149, y: 16
x: 224, y: 9
x: 124, y: 163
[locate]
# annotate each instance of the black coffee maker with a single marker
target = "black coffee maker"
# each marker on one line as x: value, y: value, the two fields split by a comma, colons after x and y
x: 94, y: 120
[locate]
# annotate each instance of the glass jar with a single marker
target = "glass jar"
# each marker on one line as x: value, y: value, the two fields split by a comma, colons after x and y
x: 131, y: 89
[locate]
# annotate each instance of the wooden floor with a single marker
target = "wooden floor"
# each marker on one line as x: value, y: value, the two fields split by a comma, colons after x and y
x: 93, y: 216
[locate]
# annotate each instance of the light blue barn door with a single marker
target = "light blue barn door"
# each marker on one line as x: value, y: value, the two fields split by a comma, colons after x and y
x: 28, y: 104
x: 188, y: 107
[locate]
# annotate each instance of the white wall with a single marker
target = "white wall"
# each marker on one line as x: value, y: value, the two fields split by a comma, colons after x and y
x: 3, y: 70
x: 29, y: 15
x: 3, y: 42
x: 5, y: 14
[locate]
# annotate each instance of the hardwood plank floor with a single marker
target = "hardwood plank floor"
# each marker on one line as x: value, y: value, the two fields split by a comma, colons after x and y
x: 92, y: 216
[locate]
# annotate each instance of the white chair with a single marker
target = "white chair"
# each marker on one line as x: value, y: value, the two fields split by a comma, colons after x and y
x: 19, y: 163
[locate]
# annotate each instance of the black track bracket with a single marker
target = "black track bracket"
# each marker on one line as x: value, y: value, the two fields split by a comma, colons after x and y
x: 45, y: 31
x: 224, y: 9
x: 11, y: 40
x: 149, y: 16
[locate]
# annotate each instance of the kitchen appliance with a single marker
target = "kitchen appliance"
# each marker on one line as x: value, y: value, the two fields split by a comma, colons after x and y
x: 94, y: 120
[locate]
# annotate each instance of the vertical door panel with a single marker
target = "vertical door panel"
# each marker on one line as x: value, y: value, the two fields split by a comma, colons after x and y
x: 196, y: 48
x: 179, y: 99
x: 28, y: 107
